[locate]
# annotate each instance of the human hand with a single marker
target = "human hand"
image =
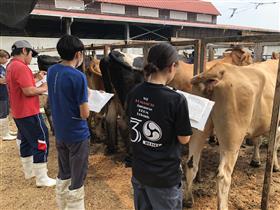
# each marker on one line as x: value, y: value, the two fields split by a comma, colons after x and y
x: 41, y: 75
x: 3, y: 81
x: 42, y: 146
x: 44, y: 87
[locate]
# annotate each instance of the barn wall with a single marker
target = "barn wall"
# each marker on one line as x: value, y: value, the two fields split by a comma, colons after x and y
x: 196, y: 33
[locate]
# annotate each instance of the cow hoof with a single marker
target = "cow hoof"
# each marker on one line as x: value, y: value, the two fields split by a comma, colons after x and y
x: 276, y: 169
x: 188, y: 203
x: 255, y: 164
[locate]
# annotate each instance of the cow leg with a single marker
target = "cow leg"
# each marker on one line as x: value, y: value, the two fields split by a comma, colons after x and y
x: 196, y: 144
x: 49, y: 116
x: 90, y: 127
x: 227, y: 162
x: 256, y: 162
x: 111, y: 127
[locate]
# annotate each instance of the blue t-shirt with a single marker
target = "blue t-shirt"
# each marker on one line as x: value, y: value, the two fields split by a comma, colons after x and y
x: 3, y: 87
x: 67, y: 90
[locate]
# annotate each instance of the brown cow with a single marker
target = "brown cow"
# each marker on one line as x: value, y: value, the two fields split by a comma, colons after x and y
x: 243, y: 107
x: 95, y: 82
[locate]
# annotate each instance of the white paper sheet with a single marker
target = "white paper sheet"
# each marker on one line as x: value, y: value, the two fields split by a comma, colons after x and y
x: 199, y: 109
x: 40, y: 82
x: 98, y: 99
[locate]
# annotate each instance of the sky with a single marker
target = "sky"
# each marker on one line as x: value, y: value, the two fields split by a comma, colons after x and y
x: 246, y: 14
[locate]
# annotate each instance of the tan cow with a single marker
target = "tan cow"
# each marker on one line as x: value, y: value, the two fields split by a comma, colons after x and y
x: 184, y: 73
x: 243, y: 107
x: 275, y: 55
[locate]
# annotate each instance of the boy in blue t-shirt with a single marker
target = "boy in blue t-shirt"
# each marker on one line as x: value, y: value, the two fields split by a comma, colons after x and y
x: 68, y: 96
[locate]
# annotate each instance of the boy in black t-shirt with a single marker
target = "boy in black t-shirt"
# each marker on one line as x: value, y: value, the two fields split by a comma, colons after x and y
x: 159, y: 124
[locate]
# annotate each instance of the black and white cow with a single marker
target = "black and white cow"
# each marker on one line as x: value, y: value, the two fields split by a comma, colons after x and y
x: 120, y: 73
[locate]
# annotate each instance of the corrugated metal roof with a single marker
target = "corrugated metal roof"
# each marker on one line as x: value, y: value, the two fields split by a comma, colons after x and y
x: 196, y: 6
x: 57, y: 13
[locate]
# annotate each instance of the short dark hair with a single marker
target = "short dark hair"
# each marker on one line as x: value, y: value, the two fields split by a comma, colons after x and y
x: 18, y: 51
x: 4, y: 53
x: 160, y: 56
x: 68, y: 45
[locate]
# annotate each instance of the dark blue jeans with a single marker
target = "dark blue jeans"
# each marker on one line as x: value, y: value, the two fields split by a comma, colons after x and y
x: 73, y: 162
x: 4, y: 109
x: 154, y: 198
x: 30, y: 130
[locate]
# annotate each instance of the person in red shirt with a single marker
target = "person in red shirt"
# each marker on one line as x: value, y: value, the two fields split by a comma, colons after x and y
x: 24, y: 101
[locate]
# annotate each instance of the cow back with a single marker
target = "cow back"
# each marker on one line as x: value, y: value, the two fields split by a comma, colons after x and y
x: 45, y: 61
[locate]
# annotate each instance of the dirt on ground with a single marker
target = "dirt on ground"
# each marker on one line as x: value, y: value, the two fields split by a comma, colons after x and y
x: 108, y: 185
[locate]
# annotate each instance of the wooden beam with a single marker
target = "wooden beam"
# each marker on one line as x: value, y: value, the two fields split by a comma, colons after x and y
x: 271, y: 144
x: 183, y: 43
x: 129, y: 44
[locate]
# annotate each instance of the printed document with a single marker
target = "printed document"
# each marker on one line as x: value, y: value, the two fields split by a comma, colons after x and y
x: 199, y: 109
x: 40, y: 82
x: 98, y: 99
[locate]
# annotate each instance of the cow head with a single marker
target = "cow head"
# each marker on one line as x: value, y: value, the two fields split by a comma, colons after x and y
x: 239, y: 56
x: 275, y: 55
x: 204, y: 84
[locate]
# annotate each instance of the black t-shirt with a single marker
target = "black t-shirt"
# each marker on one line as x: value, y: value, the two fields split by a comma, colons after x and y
x: 157, y: 115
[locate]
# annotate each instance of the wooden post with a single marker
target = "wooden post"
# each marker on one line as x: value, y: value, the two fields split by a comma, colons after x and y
x: 271, y: 144
x: 106, y: 50
x: 68, y: 23
x: 197, y: 45
x: 145, y: 53
x: 203, y: 56
x: 211, y: 53
x: 258, y: 50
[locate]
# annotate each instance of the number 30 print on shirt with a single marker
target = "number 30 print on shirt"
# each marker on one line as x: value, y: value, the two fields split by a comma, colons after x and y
x: 150, y: 129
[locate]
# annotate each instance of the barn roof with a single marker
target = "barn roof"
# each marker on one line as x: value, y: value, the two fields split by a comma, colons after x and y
x: 78, y: 15
x: 196, y: 6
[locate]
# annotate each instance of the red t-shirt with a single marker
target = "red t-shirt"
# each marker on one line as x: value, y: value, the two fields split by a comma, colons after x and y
x: 19, y: 76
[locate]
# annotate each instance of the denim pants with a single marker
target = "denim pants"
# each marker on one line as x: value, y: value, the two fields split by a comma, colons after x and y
x: 154, y: 198
x: 4, y: 109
